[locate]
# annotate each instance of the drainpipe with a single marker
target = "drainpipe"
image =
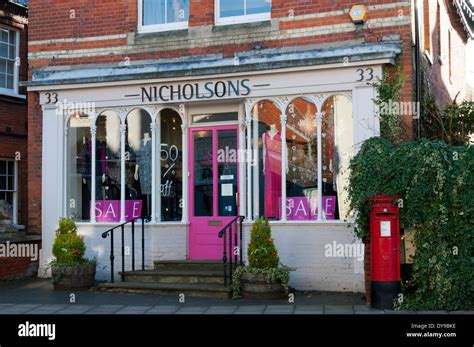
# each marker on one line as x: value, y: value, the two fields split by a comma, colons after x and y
x: 417, y: 68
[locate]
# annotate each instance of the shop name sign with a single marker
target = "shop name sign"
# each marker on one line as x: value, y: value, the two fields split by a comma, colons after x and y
x: 196, y: 91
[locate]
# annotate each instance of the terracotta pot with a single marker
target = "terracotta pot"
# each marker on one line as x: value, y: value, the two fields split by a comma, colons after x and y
x: 255, y: 286
x: 78, y: 277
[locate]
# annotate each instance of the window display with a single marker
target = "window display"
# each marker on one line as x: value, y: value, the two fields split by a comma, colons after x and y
x: 138, y: 161
x: 107, y: 168
x: 266, y: 139
x: 337, y: 146
x: 79, y: 159
x: 171, y: 154
x: 301, y: 178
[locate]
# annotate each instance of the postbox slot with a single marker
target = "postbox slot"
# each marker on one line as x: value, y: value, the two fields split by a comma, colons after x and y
x: 385, y: 215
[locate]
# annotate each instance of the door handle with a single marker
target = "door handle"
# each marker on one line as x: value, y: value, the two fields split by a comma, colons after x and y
x: 237, y: 199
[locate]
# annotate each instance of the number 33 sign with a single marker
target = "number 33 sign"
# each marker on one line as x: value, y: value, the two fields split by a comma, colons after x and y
x: 365, y: 75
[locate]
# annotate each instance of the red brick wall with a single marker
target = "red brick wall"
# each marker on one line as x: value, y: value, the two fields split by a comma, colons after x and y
x: 50, y: 19
x: 34, y: 163
x: 14, y: 127
x: 201, y: 12
x: 444, y: 27
x: 15, y: 268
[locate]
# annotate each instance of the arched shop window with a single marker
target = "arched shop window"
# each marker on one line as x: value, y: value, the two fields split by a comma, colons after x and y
x: 302, y: 171
x: 267, y: 146
x: 78, y: 164
x: 337, y: 149
x: 138, y: 164
x: 171, y: 166
x: 108, y: 167
x: 306, y: 193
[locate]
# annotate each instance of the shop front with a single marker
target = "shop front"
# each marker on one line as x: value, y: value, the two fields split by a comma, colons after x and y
x: 188, y: 154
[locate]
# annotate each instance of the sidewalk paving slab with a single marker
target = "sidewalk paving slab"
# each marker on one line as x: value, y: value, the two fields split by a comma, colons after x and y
x: 279, y: 309
x: 399, y: 311
x: 365, y: 309
x: 46, y: 309
x: 250, y: 309
x: 163, y: 309
x: 134, y: 310
x: 342, y: 309
x: 461, y: 312
x: 192, y: 310
x: 105, y: 309
x: 19, y: 308
x: 221, y: 310
x: 75, y: 309
x: 431, y: 312
x: 308, y: 309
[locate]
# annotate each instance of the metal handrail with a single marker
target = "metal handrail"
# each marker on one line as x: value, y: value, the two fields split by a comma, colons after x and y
x: 237, y: 243
x: 112, y: 254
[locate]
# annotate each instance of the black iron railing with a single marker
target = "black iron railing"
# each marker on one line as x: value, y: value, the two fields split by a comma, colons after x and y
x: 112, y: 254
x: 232, y: 241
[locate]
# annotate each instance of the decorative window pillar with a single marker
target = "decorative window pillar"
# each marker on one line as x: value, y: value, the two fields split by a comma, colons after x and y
x: 93, y: 172
x: 319, y: 118
x: 155, y: 203
x: 123, y: 129
x: 284, y: 157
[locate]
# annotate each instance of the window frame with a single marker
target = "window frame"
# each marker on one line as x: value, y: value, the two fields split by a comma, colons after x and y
x: 16, y: 67
x: 143, y: 29
x: 250, y: 18
x: 15, y: 187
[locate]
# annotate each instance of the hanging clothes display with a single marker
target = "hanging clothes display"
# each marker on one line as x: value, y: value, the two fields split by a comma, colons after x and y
x: 272, y: 172
x: 144, y: 165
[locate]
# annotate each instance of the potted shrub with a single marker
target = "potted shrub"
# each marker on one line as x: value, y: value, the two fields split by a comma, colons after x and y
x: 264, y: 277
x: 70, y: 270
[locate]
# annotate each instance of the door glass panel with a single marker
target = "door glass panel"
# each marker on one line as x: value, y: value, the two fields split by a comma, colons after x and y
x: 227, y: 159
x: 203, y: 174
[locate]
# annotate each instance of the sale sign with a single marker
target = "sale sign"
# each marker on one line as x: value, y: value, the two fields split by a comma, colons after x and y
x: 303, y: 208
x: 109, y: 210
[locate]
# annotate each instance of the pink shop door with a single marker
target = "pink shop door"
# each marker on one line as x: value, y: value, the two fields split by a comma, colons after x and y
x: 213, y: 188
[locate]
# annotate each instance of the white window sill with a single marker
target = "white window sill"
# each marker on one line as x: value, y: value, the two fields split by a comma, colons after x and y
x: 137, y: 224
x: 242, y: 19
x: 11, y: 93
x: 145, y: 29
x: 306, y: 222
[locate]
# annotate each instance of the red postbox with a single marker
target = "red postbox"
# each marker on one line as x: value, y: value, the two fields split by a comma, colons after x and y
x: 385, y: 251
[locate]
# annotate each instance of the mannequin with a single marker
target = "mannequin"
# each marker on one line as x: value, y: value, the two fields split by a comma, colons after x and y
x: 273, y: 131
x: 143, y: 165
x: 146, y: 138
x: 271, y: 140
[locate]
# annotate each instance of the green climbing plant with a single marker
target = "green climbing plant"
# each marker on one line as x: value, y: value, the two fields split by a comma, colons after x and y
x: 436, y: 183
x: 389, y: 89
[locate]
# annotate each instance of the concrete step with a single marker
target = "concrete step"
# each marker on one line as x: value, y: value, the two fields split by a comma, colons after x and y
x: 176, y: 276
x: 189, y: 265
x: 195, y: 289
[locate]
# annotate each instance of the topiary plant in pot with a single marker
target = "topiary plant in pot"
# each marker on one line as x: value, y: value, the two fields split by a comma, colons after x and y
x: 70, y: 270
x: 264, y: 277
